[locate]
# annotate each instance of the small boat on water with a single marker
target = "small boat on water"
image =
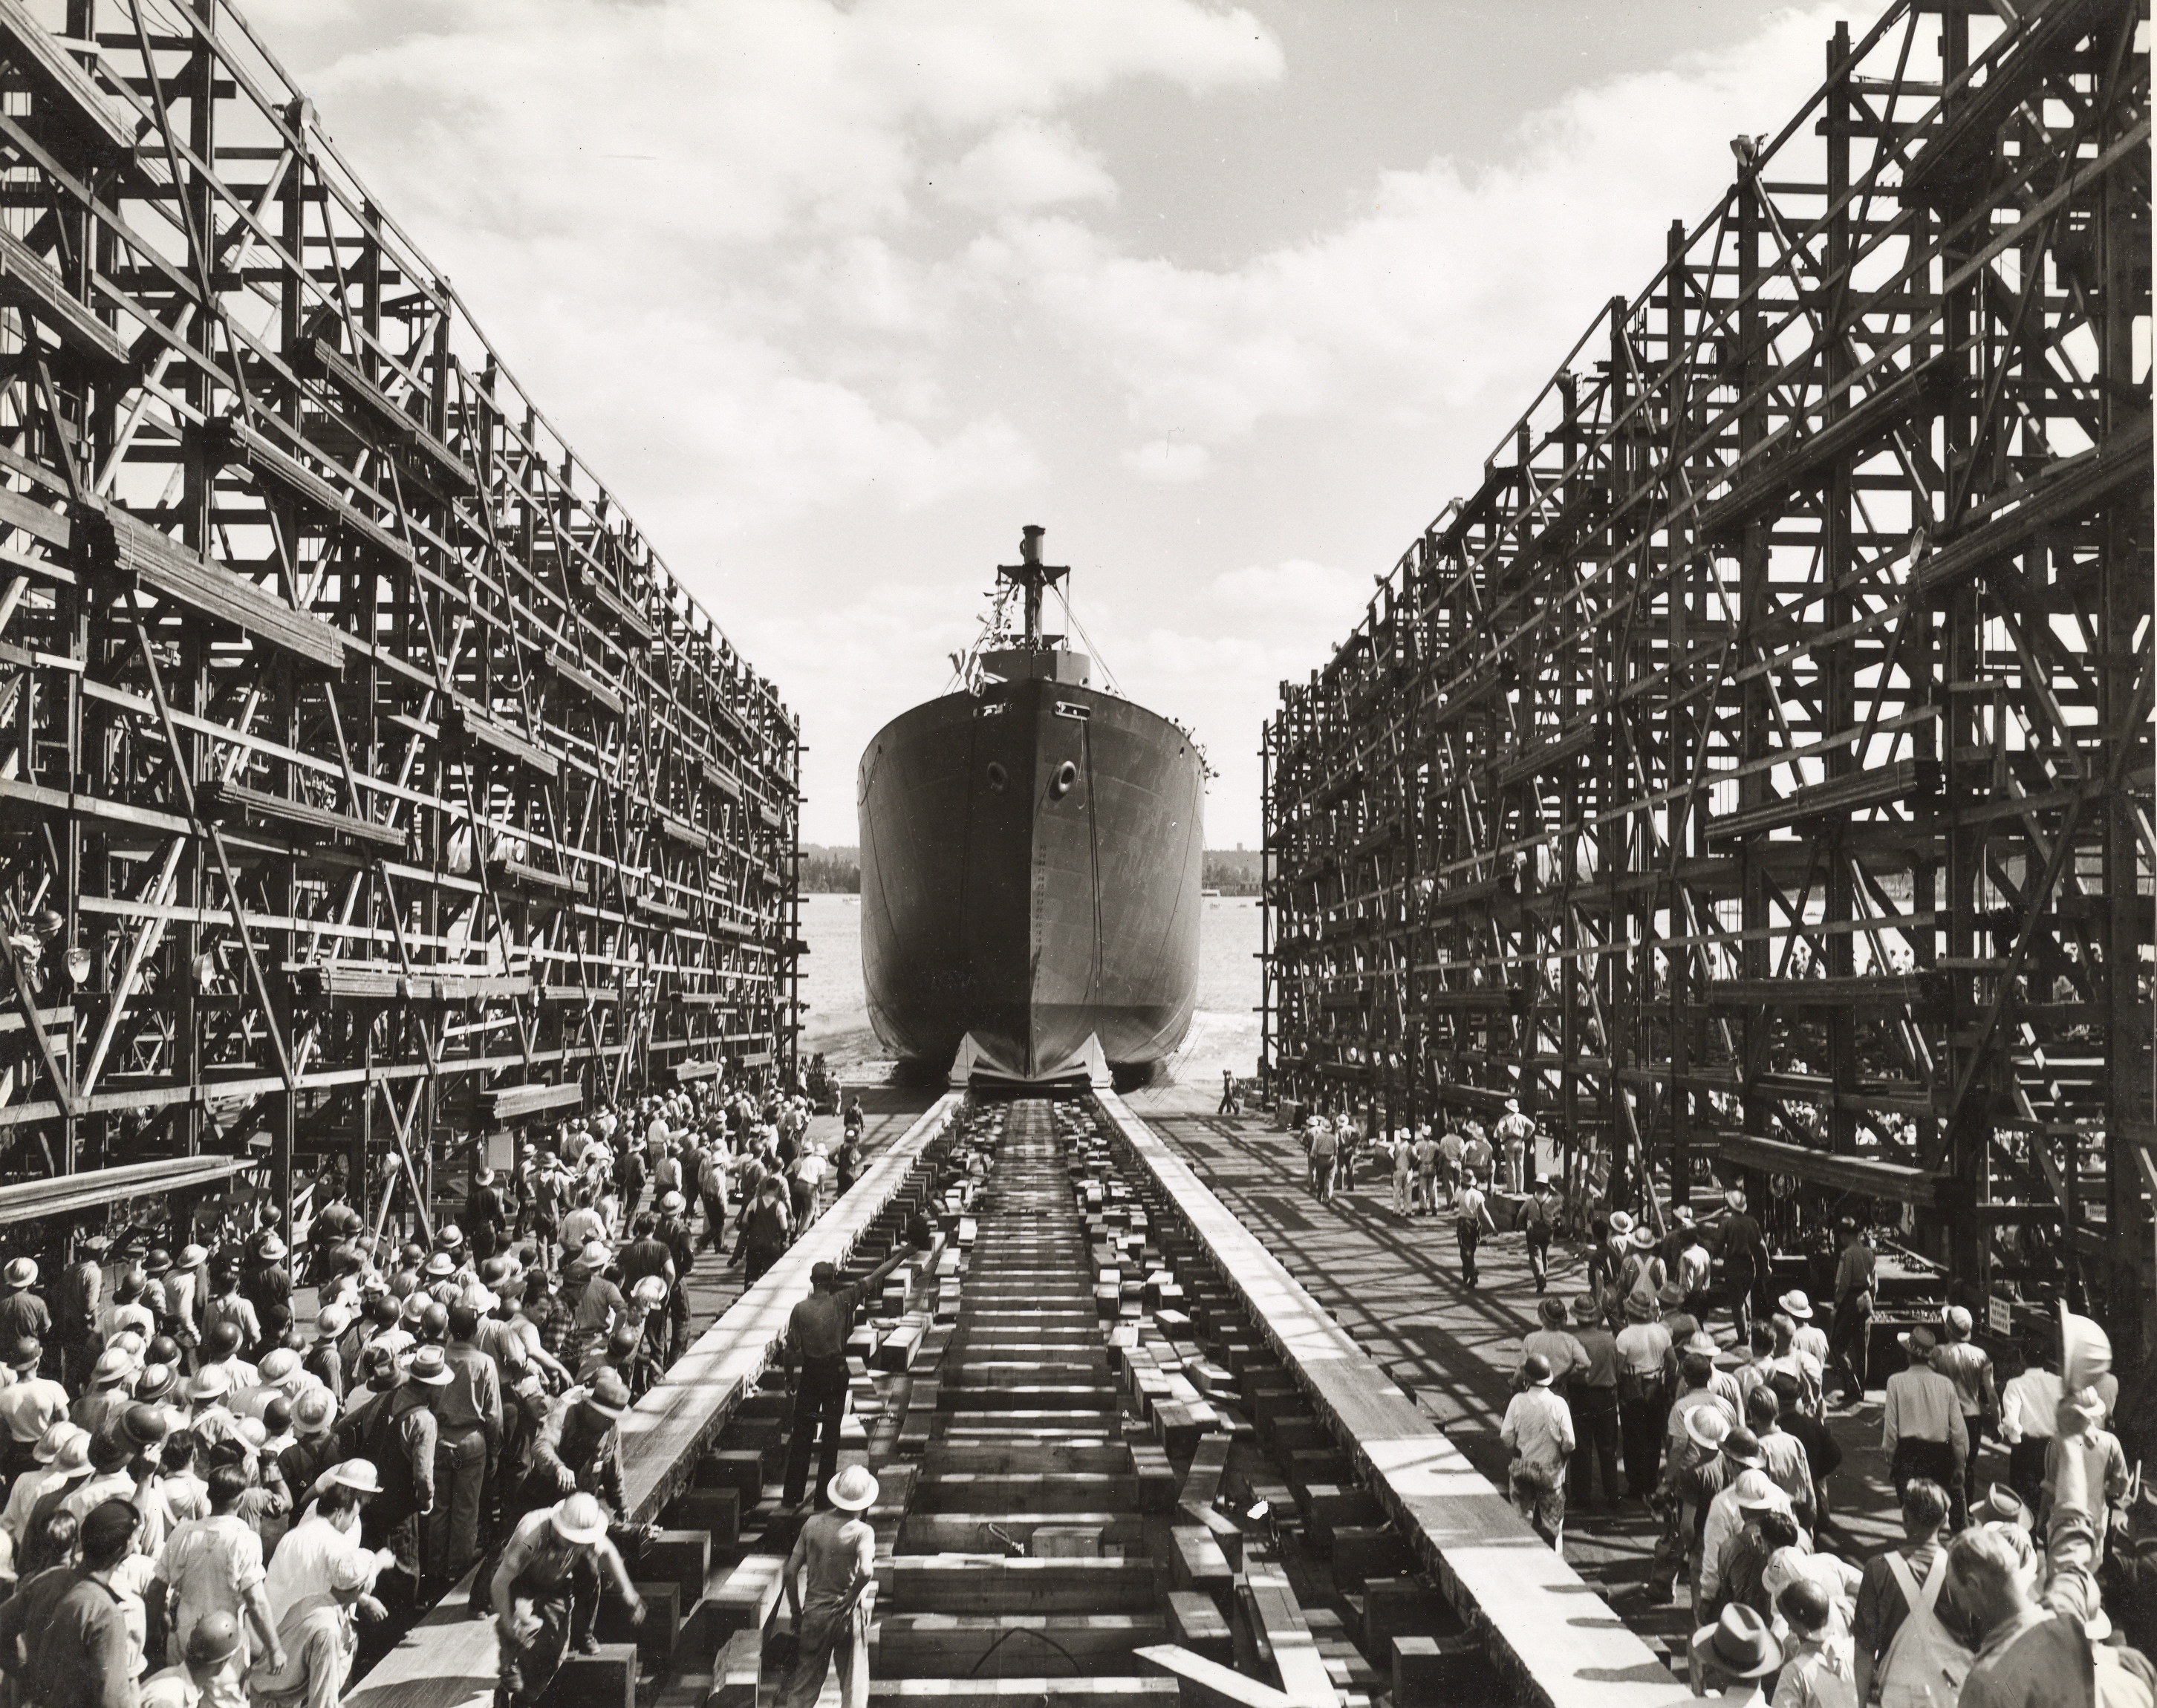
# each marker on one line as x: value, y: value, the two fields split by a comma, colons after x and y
x: 1031, y: 854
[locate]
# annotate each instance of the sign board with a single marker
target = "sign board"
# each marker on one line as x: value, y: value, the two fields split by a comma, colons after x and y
x: 1999, y: 1315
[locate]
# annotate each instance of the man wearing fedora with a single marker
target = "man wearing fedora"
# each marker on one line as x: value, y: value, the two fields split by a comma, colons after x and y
x: 546, y: 1590
x: 1731, y: 1656
x: 1921, y: 1427
x: 836, y: 1554
x: 1593, y: 1397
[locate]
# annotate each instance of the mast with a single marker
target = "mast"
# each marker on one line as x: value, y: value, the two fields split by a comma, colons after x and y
x: 1033, y: 575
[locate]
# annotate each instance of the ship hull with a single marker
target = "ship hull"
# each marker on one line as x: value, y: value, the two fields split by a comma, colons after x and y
x: 1033, y: 916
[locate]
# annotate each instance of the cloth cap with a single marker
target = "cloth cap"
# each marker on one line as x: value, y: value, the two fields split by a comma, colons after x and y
x: 854, y: 1489
x: 213, y: 1640
x: 349, y: 1571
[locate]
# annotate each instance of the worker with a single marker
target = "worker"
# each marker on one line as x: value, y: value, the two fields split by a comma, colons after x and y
x: 546, y: 1590
x: 836, y: 1552
x: 817, y: 1337
x: 64, y: 1636
x: 1538, y: 1431
x: 319, y: 1642
x: 214, y: 1565
x: 1921, y: 1424
x: 183, y: 1684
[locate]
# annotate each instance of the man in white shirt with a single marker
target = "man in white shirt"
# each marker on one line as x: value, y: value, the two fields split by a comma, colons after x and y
x: 1644, y: 1348
x: 1922, y: 1429
x: 2029, y: 1405
x: 301, y: 1566
x: 1753, y: 1494
x: 1808, y: 1341
x: 1538, y: 1429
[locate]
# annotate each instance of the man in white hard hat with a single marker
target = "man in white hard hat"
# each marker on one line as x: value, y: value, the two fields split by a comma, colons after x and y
x: 837, y: 1552
x: 546, y: 1590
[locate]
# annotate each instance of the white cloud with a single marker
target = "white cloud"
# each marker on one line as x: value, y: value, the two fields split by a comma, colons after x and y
x: 1027, y: 164
x: 1456, y: 286
x: 1297, y: 592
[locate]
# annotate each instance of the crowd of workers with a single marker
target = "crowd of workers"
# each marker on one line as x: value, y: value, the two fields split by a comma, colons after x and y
x: 208, y: 1496
x: 1997, y: 1594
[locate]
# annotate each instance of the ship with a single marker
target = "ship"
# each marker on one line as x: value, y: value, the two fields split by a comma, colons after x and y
x: 1031, y: 849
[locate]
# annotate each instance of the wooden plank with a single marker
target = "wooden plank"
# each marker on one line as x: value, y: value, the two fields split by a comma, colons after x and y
x: 1215, y: 1682
x: 120, y: 545
x: 1551, y: 1637
x: 64, y: 89
x: 662, y: 1435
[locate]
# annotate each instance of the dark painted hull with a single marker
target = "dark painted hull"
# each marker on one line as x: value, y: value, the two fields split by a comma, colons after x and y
x: 993, y: 905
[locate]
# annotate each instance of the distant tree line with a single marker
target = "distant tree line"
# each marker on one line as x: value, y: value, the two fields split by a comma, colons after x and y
x: 830, y: 871
x: 837, y: 871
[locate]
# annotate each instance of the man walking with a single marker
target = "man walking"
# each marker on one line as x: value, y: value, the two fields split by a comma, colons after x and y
x: 1538, y: 1429
x: 1595, y: 1397
x: 1744, y: 1261
x: 1922, y: 1429
x: 816, y: 1335
x: 1325, y: 1149
x: 1849, y: 1347
x: 1471, y: 1216
x: 836, y: 1553
x: 1538, y: 1216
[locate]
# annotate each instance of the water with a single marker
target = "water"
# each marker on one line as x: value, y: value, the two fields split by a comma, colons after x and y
x: 1223, y: 1033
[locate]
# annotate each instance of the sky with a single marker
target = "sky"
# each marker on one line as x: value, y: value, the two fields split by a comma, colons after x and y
x: 1230, y: 299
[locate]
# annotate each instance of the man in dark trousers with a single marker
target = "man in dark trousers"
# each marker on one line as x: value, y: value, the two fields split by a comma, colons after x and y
x: 816, y: 1335
x: 1744, y: 1253
x: 1593, y: 1397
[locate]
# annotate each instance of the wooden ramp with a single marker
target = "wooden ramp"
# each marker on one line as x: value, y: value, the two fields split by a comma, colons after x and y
x: 1551, y: 1636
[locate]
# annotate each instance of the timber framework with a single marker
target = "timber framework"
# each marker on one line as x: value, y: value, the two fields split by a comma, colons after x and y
x: 368, y: 784
x: 1753, y: 772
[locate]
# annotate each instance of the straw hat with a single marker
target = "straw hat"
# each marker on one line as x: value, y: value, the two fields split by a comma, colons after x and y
x: 1620, y: 1221
x: 854, y: 1489
x: 1920, y: 1342
x: 430, y: 1367
x: 2002, y: 1506
x: 21, y: 1272
x: 1643, y: 1239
